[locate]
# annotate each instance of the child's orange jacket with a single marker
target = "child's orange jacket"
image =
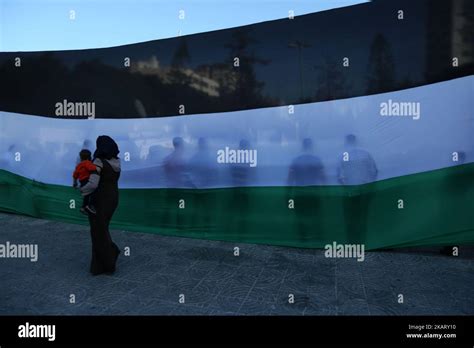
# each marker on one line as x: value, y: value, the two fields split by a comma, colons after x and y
x: 84, y: 170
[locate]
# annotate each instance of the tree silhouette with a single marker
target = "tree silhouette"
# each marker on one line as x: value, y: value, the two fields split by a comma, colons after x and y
x: 180, y: 61
x: 467, y: 29
x: 248, y: 89
x: 181, y: 57
x: 381, y: 69
x: 332, y: 82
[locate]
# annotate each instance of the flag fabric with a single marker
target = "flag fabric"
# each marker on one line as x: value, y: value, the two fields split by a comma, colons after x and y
x: 351, y: 125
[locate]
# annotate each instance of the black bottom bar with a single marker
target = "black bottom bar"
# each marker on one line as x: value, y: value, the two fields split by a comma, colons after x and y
x: 419, y: 330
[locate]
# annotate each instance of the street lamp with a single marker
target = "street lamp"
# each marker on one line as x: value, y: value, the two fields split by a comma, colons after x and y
x: 299, y: 45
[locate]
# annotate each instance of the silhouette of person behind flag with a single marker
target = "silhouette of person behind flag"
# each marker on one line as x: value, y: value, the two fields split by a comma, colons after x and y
x: 240, y: 175
x: 357, y: 167
x: 176, y: 167
x: 203, y: 171
x: 306, y: 170
x: 176, y: 172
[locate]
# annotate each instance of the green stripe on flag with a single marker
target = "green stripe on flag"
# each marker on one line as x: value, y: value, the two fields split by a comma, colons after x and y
x: 437, y: 209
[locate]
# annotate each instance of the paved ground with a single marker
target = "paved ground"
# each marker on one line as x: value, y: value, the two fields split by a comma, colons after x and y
x: 214, y: 281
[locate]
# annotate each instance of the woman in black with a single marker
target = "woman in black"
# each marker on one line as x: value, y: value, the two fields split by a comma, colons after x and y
x: 105, y: 182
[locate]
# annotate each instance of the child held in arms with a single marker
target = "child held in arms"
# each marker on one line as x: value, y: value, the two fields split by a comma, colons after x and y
x: 82, y: 174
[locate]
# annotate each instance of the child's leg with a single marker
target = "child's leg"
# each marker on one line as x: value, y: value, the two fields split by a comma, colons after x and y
x: 90, y: 205
x: 86, y: 201
x: 91, y: 199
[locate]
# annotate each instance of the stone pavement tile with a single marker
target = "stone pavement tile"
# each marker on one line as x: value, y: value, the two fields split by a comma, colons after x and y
x: 182, y: 281
x: 191, y: 273
x: 31, y: 303
x: 248, y: 255
x: 187, y: 309
x: 171, y: 281
x: 380, y: 279
x: 413, y: 298
x: 450, y: 302
x: 264, y: 294
x: 385, y: 302
x: 349, y: 303
x: 299, y: 300
x: 320, y: 278
x: 320, y: 254
x: 350, y: 288
x: 19, y: 266
x: 102, y: 291
x: 222, y: 272
x: 234, y: 288
x: 454, y: 308
x: 301, y: 257
x: 141, y: 246
x: 200, y: 299
x: 201, y: 269
x: 165, y: 288
x: 291, y: 287
x: 109, y: 281
x: 227, y: 304
x: 319, y: 268
x: 130, y: 304
x: 157, y: 265
x: 350, y: 281
x: 376, y: 295
x: 271, y: 276
x: 462, y: 293
x: 302, y: 281
x: 416, y: 284
x: 450, y: 266
x: 257, y: 256
x: 385, y: 309
x: 16, y: 309
x: 9, y: 293
x: 137, y: 259
x: 132, y: 273
x: 446, y: 280
x: 182, y: 254
x: 217, y: 312
x: 324, y: 309
x: 288, y: 309
x: 172, y: 268
x: 159, y: 293
x: 104, y: 297
x: 231, y: 260
x: 84, y: 308
x: 211, y: 286
x: 14, y: 301
x: 158, y: 307
x: 202, y: 253
x: 267, y: 286
x: 410, y: 309
x: 348, y: 264
x: 252, y: 307
x: 58, y: 269
x: 247, y: 275
x: 25, y: 281
x: 316, y: 300
x: 352, y: 306
x: 277, y: 261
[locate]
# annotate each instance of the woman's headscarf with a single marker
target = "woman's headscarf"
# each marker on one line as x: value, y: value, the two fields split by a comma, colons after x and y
x: 106, y: 148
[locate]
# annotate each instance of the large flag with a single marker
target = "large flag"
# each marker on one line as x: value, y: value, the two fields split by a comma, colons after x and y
x: 349, y: 125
